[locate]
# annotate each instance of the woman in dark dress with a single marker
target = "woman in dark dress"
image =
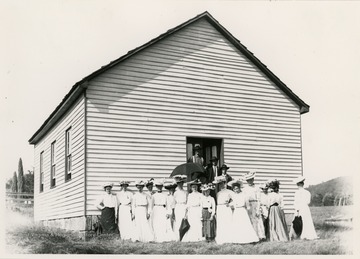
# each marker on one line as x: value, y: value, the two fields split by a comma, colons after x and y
x: 108, y: 204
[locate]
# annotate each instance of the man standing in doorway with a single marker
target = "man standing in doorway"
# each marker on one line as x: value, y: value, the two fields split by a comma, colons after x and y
x: 196, y: 158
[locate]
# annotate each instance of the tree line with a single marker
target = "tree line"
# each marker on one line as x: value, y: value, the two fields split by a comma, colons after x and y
x: 21, y: 183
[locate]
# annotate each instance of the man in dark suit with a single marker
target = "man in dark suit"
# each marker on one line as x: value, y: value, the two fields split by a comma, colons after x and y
x: 212, y: 169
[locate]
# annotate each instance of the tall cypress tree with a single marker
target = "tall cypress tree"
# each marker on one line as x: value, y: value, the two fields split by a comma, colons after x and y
x: 21, y: 179
x: 14, y: 186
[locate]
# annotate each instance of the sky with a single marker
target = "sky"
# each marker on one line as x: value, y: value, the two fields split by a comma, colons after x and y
x: 48, y: 46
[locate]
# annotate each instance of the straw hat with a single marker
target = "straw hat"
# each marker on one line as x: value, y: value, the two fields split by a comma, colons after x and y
x: 236, y: 182
x: 299, y: 179
x: 180, y: 178
x: 124, y: 183
x: 195, y: 182
x: 205, y: 187
x: 140, y: 183
x: 170, y: 184
x: 219, y: 179
x: 107, y: 184
x: 249, y: 175
x: 159, y: 182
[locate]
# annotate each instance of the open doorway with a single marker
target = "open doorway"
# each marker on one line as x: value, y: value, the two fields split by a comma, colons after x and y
x: 209, y: 147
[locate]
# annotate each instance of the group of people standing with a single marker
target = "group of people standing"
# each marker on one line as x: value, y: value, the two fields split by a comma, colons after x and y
x: 237, y: 214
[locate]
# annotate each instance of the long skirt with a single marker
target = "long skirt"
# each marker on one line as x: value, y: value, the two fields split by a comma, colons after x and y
x: 224, y: 228
x: 277, y: 224
x: 194, y: 234
x: 308, y: 230
x: 170, y: 231
x: 242, y: 228
x: 143, y: 230
x: 256, y: 220
x: 159, y: 224
x: 208, y: 226
x: 125, y: 223
x: 107, y: 221
x: 180, y: 210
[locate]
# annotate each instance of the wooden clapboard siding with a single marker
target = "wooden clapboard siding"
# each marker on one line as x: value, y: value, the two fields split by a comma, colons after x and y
x: 66, y: 199
x: 192, y: 83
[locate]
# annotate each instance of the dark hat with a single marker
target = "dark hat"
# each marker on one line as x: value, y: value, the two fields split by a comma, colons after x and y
x: 225, y: 166
x: 150, y: 182
x: 197, y: 147
x: 214, y: 158
x: 195, y: 182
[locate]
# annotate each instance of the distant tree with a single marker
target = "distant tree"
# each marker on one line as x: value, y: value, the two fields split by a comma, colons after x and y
x: 14, y: 186
x: 317, y: 199
x: 9, y: 184
x: 21, y: 179
x: 29, y: 182
x: 328, y: 199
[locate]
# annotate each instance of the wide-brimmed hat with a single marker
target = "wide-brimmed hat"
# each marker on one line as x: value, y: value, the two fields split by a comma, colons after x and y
x: 214, y: 158
x: 236, y: 182
x: 124, y: 183
x: 180, y: 178
x: 299, y: 179
x: 249, y: 175
x: 140, y: 183
x: 194, y: 182
x: 224, y: 166
x: 219, y: 179
x: 170, y: 184
x: 159, y: 182
x: 264, y: 186
x: 150, y: 182
x: 205, y: 187
x: 107, y: 184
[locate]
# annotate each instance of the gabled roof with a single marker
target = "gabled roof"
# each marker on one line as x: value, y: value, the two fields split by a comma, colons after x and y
x: 80, y: 86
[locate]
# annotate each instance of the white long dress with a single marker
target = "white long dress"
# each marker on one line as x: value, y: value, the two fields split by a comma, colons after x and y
x: 252, y: 194
x: 159, y: 216
x: 140, y: 207
x: 224, y: 216
x: 180, y: 197
x: 301, y: 203
x: 194, y: 234
x: 242, y: 229
x: 125, y: 223
x: 170, y: 231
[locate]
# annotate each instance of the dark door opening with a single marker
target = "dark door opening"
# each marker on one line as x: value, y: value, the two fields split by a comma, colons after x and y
x: 209, y: 147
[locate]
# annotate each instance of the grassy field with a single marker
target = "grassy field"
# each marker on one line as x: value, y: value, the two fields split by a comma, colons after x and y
x: 31, y: 238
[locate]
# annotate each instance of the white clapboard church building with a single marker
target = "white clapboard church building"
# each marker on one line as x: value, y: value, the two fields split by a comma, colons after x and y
x: 141, y: 115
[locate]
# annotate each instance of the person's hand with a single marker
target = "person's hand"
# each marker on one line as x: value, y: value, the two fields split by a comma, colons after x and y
x: 167, y: 216
x: 148, y: 216
x: 132, y: 216
x: 211, y: 217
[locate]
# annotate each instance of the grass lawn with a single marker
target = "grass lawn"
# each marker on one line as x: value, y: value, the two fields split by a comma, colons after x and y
x: 31, y: 238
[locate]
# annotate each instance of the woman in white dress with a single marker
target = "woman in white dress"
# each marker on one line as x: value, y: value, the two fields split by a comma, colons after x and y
x: 141, y: 211
x: 170, y: 211
x: 301, y: 203
x: 193, y: 214
x: 180, y: 197
x: 242, y: 229
x: 125, y: 223
x: 159, y: 213
x: 224, y: 229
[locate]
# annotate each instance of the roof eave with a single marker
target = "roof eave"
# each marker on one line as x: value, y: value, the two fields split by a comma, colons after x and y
x: 59, y: 111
